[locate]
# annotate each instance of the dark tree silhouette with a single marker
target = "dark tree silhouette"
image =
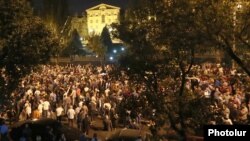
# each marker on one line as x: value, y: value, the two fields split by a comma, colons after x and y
x: 106, y: 39
x: 75, y: 45
x: 25, y: 43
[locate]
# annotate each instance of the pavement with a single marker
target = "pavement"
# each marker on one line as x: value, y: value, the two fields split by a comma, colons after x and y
x: 97, y: 127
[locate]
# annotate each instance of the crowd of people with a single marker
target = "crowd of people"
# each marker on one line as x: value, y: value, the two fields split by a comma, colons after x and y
x: 76, y: 93
x: 80, y: 93
x: 228, y: 89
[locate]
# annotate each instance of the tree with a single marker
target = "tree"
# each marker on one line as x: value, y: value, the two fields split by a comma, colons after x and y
x: 146, y: 61
x: 95, y: 44
x: 106, y: 39
x: 54, y: 13
x: 165, y: 35
x: 225, y: 24
x: 25, y: 43
x: 74, y: 46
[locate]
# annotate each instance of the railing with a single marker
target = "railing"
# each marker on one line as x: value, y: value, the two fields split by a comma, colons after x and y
x: 82, y: 60
x: 75, y: 59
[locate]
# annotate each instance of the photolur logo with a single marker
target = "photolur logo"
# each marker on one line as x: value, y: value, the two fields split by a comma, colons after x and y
x: 226, y: 132
x: 235, y: 132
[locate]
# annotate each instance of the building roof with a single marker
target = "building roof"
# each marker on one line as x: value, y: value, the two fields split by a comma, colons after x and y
x: 97, y: 7
x: 80, y: 6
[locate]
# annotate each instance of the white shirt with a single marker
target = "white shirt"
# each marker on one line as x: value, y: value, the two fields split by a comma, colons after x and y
x: 28, y: 110
x: 86, y: 89
x: 59, y: 111
x: 71, y: 113
x: 46, y: 105
x: 107, y: 105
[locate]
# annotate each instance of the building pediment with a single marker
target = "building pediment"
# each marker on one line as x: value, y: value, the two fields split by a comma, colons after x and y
x: 102, y: 7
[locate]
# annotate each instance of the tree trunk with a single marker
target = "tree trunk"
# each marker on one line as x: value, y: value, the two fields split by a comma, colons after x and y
x: 231, y: 53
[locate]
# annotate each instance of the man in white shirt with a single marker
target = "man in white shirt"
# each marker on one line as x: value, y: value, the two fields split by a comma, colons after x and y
x: 59, y: 112
x: 71, y: 115
x: 46, y: 106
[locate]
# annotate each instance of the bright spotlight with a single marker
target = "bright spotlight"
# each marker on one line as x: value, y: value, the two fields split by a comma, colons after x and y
x: 111, y: 58
x: 122, y: 48
x: 115, y: 51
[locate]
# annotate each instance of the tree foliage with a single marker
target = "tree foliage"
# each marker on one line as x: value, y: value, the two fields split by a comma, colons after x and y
x: 163, y: 36
x: 25, y: 43
x: 54, y: 13
x: 225, y: 24
x: 106, y: 39
x: 74, y: 46
x: 100, y: 44
x: 95, y: 44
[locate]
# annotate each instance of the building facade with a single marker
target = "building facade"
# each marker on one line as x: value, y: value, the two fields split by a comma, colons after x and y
x: 100, y: 16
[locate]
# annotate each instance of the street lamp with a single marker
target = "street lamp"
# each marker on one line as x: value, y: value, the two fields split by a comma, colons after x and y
x: 111, y: 58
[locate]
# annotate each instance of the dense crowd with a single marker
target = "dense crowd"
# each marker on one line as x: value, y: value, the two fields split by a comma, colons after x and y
x: 80, y: 93
x: 227, y: 88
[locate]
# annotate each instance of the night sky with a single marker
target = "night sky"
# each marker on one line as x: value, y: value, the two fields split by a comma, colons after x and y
x: 79, y: 6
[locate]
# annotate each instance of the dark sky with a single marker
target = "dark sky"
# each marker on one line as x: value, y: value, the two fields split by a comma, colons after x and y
x: 77, y: 6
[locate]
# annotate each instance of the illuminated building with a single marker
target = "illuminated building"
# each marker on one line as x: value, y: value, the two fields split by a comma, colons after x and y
x: 100, y: 16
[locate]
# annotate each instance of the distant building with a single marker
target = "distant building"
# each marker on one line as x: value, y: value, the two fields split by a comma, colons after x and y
x: 100, y: 16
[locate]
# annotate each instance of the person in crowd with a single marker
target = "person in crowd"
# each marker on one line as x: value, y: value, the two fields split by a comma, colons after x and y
x: 46, y: 106
x: 83, y: 137
x: 86, y: 122
x: 95, y: 138
x: 36, y: 114
x: 59, y: 113
x: 107, y: 124
x: 23, y: 116
x: 61, y: 137
x: 114, y: 118
x: 71, y: 116
x: 4, y: 131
